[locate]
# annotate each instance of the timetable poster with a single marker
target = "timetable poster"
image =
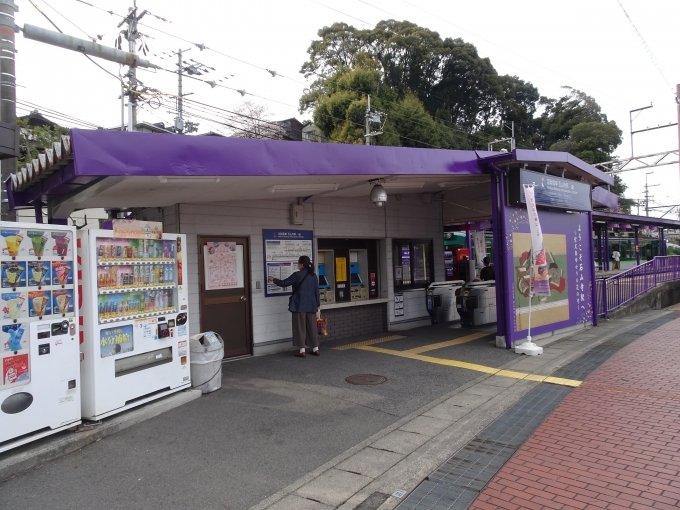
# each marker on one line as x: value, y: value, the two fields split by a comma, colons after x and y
x: 282, y: 249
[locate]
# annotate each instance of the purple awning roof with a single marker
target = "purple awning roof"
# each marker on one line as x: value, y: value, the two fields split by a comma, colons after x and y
x: 572, y: 163
x: 115, y: 153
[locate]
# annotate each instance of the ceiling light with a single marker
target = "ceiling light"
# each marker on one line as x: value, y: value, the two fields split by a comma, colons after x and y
x: 314, y: 188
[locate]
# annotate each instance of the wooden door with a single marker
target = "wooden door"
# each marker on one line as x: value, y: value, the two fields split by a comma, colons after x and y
x: 225, y: 295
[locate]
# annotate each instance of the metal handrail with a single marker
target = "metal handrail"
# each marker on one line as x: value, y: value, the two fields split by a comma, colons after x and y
x: 614, y: 292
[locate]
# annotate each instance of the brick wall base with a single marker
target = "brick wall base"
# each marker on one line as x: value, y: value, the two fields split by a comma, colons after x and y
x: 356, y: 320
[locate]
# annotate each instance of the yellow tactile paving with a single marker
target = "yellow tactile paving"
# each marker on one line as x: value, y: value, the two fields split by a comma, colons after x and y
x: 471, y: 366
x: 380, y: 340
x: 449, y: 343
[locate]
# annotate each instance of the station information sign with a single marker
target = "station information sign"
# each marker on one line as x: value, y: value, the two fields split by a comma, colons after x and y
x: 550, y: 191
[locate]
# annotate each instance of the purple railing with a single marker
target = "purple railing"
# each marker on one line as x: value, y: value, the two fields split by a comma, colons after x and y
x: 614, y: 292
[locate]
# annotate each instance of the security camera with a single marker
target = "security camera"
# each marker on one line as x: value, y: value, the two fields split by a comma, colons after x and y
x: 378, y: 195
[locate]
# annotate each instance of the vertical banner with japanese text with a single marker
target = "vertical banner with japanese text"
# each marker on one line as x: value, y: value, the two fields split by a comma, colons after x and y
x: 540, y: 276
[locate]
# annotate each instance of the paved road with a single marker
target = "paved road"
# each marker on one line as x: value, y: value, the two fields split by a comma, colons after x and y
x: 275, y: 419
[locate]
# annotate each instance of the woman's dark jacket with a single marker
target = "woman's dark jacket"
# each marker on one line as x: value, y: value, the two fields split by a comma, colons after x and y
x: 306, y: 299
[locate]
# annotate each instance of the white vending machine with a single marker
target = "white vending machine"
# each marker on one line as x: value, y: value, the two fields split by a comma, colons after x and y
x: 135, y: 319
x: 39, y: 351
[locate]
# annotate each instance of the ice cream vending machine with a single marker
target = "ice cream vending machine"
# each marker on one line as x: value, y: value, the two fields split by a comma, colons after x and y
x: 39, y: 351
x: 135, y: 320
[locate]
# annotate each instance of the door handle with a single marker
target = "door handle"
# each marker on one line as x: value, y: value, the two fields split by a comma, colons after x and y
x: 243, y: 298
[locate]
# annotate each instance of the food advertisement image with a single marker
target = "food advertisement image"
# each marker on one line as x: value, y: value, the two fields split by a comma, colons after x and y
x: 38, y: 243
x: 62, y: 244
x: 13, y: 305
x: 12, y: 245
x: 38, y: 274
x: 14, y: 338
x: 39, y: 303
x: 15, y: 369
x: 62, y: 273
x: 13, y: 275
x: 62, y: 301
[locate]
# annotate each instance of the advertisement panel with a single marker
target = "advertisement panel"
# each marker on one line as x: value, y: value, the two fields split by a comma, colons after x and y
x: 568, y: 251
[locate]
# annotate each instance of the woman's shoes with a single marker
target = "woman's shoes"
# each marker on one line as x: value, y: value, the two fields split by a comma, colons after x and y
x: 300, y: 354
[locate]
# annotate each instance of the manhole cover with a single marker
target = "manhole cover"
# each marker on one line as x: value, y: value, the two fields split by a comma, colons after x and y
x: 366, y: 379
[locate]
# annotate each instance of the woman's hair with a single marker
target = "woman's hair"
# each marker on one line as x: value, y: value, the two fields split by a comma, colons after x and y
x: 304, y: 260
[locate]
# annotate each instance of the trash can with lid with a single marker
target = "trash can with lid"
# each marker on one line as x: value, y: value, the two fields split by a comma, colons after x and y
x: 207, y: 351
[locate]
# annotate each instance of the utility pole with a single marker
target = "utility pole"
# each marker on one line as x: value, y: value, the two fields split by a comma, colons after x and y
x: 179, y: 121
x: 372, y: 117
x: 8, y: 95
x: 502, y: 140
x: 195, y: 68
x: 677, y: 101
x: 647, y: 197
x: 131, y: 34
x: 368, y: 121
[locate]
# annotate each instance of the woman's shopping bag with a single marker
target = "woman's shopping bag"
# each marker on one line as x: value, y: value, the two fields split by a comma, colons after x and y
x: 321, y: 324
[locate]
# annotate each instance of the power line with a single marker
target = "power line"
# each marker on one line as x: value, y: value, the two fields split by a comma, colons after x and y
x: 460, y: 136
x: 505, y: 48
x: 645, y: 46
x: 56, y: 116
x: 93, y: 39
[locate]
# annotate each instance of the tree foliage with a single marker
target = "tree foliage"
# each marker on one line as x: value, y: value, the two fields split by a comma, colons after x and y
x: 441, y: 92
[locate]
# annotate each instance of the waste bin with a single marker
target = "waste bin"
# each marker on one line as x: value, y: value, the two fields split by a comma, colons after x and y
x: 207, y: 351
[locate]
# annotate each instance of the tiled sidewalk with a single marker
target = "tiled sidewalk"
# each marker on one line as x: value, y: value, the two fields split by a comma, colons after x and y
x: 614, y: 442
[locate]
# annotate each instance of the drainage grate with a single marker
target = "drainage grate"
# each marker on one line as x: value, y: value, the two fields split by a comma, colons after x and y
x: 366, y: 379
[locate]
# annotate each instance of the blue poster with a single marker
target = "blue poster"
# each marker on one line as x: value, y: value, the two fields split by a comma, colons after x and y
x: 116, y: 340
x: 13, y: 338
x: 282, y: 249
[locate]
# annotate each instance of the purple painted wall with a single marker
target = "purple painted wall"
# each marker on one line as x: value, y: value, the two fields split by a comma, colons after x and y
x: 574, y: 264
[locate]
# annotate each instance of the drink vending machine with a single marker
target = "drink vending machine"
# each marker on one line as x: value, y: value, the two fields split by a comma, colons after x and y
x: 135, y: 320
x: 39, y: 351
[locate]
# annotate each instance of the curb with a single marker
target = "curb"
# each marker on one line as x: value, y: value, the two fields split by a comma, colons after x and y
x: 47, y: 449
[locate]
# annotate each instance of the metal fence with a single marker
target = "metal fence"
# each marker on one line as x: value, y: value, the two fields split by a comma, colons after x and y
x: 614, y: 292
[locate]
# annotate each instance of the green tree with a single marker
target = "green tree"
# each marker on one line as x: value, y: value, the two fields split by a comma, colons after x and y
x: 456, y: 86
x: 619, y: 187
x: 340, y: 103
x: 561, y: 115
x: 593, y: 142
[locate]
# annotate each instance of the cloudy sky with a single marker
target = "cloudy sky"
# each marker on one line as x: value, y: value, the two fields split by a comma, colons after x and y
x: 587, y: 44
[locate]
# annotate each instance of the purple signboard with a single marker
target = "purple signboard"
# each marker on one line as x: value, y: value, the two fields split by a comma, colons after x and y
x: 568, y: 250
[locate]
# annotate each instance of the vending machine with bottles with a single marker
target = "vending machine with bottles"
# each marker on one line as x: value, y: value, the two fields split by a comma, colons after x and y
x: 39, y: 351
x: 135, y: 319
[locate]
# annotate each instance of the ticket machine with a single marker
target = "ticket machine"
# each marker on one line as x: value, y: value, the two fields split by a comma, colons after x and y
x: 39, y: 340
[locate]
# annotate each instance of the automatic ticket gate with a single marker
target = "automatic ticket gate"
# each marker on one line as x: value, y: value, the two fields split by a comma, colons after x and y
x: 441, y: 301
x: 476, y: 303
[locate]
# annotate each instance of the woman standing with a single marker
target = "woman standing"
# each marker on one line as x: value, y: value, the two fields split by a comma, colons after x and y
x: 304, y: 303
